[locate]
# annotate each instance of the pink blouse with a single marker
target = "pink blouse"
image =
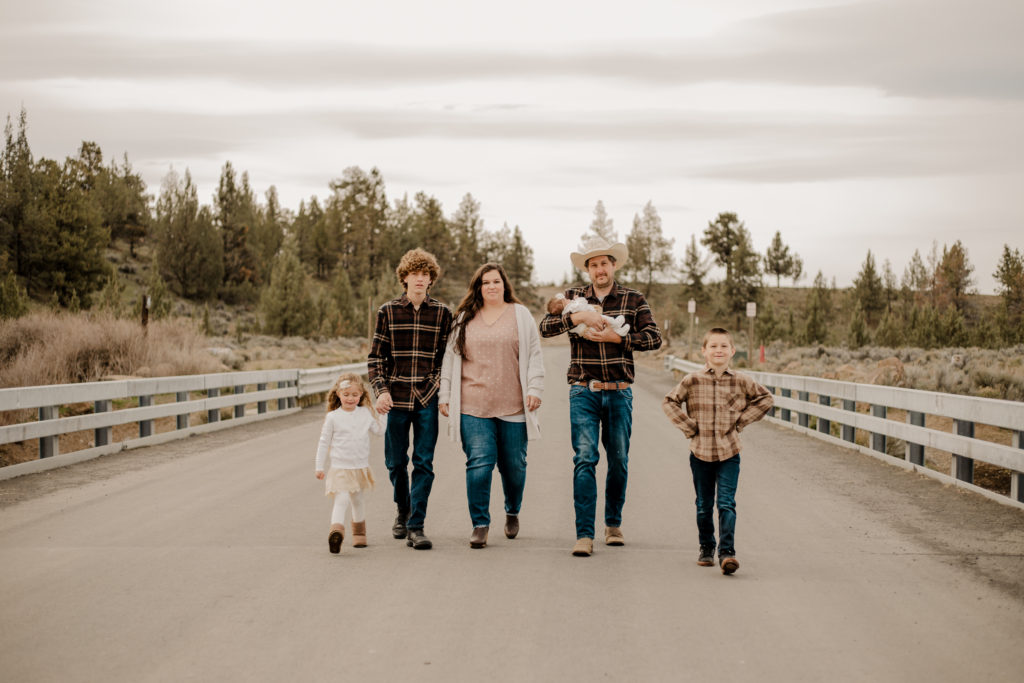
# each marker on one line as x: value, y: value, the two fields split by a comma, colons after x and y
x: 490, y: 374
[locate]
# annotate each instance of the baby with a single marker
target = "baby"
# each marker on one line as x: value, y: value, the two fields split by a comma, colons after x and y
x: 559, y: 305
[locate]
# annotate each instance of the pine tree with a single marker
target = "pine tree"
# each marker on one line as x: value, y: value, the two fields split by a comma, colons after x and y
x: 466, y: 228
x: 1009, y: 274
x: 778, y: 260
x: 721, y: 237
x: 602, y: 226
x: 953, y: 281
x: 818, y: 312
x: 286, y: 304
x: 188, y: 247
x: 695, y: 268
x: 868, y: 290
x: 234, y: 215
x: 650, y: 252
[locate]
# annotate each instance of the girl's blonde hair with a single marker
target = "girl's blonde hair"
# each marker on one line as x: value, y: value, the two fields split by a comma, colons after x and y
x: 345, y: 380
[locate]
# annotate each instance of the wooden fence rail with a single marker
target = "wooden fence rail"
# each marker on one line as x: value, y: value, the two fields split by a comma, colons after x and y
x: 834, y: 410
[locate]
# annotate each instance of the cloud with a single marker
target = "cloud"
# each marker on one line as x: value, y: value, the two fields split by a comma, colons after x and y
x: 919, y: 48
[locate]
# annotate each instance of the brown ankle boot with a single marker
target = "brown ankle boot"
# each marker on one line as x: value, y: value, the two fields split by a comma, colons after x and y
x: 335, y: 538
x: 359, y: 534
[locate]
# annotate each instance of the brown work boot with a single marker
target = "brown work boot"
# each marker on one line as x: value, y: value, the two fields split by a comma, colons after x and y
x: 511, y: 526
x: 478, y: 539
x: 584, y: 547
x: 359, y: 534
x: 729, y: 564
x: 613, y: 536
x: 335, y: 538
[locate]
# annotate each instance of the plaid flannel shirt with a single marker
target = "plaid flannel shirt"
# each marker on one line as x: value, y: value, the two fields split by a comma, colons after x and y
x: 407, y: 350
x: 607, y: 361
x: 712, y: 410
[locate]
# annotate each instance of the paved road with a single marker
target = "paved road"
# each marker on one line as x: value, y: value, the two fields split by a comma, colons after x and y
x: 206, y: 560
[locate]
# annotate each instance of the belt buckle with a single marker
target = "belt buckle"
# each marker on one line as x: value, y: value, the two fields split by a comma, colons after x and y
x: 592, y: 383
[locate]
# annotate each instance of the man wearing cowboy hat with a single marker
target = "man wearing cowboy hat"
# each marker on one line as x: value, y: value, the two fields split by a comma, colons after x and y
x: 600, y: 375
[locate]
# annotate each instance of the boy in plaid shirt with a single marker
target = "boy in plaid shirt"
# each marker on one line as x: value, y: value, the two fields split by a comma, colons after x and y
x: 404, y: 370
x: 711, y: 407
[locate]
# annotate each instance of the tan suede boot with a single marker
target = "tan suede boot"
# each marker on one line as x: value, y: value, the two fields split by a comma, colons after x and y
x: 335, y: 538
x: 359, y: 534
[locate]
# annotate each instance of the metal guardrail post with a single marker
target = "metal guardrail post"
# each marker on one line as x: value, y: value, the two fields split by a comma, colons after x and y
x: 824, y: 426
x: 101, y: 435
x: 145, y: 426
x: 181, y: 421
x: 240, y: 408
x: 962, y: 466
x: 261, y: 406
x: 1017, y: 478
x: 784, y: 413
x: 282, y: 403
x: 771, y: 411
x: 915, y: 451
x: 293, y: 399
x: 849, y: 431
x: 878, y: 440
x: 49, y: 446
x: 213, y: 414
x: 803, y: 418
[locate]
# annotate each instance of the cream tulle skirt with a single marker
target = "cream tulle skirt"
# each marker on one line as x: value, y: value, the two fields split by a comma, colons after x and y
x: 338, y: 480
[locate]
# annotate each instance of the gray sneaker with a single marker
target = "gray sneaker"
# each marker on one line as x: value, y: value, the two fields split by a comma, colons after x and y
x: 707, y: 556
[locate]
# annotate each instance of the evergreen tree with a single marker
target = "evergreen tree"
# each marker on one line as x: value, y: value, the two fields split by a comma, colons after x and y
x: 286, y: 304
x: 888, y: 332
x: 818, y: 312
x: 721, y: 237
x: 13, y: 297
x: 1009, y: 274
x: 695, y: 269
x: 16, y: 197
x: 347, y: 306
x: 916, y: 283
x: 124, y: 203
x: 267, y: 233
x: 602, y: 226
x: 188, y: 248
x: 890, y: 287
x: 650, y: 252
x: 743, y: 280
x: 518, y: 261
x: 234, y: 215
x: 466, y: 227
x: 868, y: 291
x: 778, y: 260
x: 953, y: 281
x: 857, y: 335
x: 356, y: 221
x: 310, y: 230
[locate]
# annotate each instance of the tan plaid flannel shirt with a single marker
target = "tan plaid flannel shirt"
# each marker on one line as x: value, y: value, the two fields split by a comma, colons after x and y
x: 712, y: 410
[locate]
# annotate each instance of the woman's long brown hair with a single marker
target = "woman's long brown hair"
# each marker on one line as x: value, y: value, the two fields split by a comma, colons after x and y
x: 474, y: 301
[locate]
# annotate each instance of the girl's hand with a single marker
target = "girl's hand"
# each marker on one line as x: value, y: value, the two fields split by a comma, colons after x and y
x: 319, y: 474
x: 532, y: 403
x: 443, y: 407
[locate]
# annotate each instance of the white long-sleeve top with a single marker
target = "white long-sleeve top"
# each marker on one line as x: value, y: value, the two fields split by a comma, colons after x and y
x: 345, y: 436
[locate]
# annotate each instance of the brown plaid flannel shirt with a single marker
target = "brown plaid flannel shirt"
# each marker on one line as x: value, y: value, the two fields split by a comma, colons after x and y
x: 712, y: 411
x: 407, y: 350
x: 607, y: 361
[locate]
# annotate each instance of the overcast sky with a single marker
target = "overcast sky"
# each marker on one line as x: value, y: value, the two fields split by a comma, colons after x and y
x: 847, y: 126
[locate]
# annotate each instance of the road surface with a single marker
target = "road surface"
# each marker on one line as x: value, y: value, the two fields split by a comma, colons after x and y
x: 206, y: 559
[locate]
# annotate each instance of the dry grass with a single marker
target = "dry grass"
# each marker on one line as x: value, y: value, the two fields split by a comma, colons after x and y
x: 50, y: 348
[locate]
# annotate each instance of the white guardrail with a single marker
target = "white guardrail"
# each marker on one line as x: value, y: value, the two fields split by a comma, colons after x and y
x: 245, y: 396
x: 815, y: 400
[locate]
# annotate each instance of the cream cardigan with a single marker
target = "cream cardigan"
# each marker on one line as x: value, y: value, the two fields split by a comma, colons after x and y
x: 531, y: 375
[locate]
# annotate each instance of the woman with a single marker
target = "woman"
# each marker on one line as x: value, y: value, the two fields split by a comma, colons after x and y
x: 492, y: 379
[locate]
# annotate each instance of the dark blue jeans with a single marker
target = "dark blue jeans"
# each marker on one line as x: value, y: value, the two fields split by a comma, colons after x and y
x: 490, y: 441
x: 713, y: 480
x: 608, y: 415
x: 423, y: 422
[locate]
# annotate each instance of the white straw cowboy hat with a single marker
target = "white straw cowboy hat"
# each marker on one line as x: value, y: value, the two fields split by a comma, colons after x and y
x: 597, y: 246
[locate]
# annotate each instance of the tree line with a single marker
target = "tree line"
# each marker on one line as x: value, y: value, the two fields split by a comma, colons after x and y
x: 323, y: 268
x: 58, y: 219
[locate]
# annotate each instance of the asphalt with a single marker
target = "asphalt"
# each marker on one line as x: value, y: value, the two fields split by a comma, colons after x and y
x: 207, y: 559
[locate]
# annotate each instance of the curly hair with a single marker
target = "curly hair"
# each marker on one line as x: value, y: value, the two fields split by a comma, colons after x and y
x: 474, y: 301
x: 334, y: 401
x: 418, y: 261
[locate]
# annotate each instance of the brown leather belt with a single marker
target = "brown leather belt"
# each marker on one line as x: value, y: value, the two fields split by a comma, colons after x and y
x: 596, y: 385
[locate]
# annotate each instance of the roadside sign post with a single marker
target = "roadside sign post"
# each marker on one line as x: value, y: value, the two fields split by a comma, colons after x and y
x: 751, y: 314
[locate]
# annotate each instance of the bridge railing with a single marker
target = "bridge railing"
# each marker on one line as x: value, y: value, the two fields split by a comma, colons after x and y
x: 198, y: 403
x: 833, y: 410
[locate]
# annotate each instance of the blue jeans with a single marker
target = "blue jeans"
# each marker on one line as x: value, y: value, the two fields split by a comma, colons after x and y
x: 711, y: 480
x: 490, y: 441
x: 423, y: 422
x: 610, y: 415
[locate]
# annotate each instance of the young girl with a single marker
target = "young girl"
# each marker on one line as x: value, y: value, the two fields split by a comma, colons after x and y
x: 346, y: 436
